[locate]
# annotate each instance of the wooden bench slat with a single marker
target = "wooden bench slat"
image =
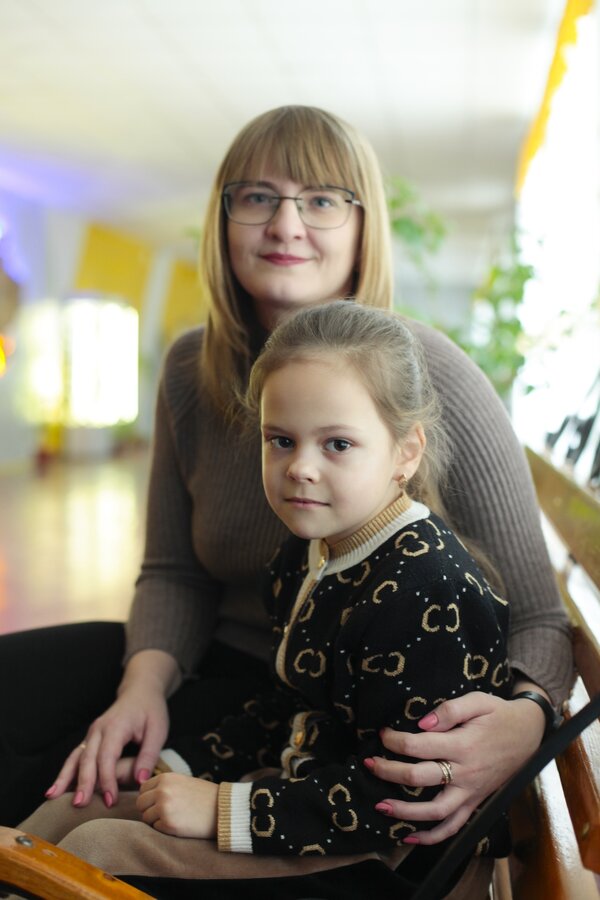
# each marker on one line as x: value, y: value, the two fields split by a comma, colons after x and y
x: 47, y: 871
x: 574, y: 513
x: 579, y: 768
x: 546, y: 864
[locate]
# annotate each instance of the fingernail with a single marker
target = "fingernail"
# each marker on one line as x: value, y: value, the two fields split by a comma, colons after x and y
x: 108, y: 799
x: 51, y: 791
x: 368, y: 762
x: 384, y: 808
x: 429, y: 721
x: 411, y: 840
x: 143, y: 775
x: 77, y: 798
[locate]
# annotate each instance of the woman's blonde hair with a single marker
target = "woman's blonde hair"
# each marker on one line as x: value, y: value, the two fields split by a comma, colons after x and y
x: 312, y: 147
x: 388, y: 359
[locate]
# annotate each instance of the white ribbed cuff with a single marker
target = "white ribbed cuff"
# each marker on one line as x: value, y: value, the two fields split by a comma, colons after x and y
x: 234, y: 817
x: 175, y: 762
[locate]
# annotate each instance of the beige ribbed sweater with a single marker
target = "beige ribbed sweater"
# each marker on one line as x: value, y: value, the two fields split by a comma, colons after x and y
x: 210, y: 530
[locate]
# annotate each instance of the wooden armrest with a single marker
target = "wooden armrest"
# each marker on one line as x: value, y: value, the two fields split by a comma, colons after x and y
x: 29, y: 864
x: 579, y: 768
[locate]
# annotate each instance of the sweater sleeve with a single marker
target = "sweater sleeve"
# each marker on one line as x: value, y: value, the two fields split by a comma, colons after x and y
x: 331, y: 810
x: 241, y: 743
x: 175, y: 602
x: 490, y: 499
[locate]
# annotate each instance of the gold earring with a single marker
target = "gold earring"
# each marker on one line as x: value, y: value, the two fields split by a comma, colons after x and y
x: 402, y: 482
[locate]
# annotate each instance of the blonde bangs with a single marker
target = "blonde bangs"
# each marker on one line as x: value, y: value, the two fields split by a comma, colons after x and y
x: 304, y: 144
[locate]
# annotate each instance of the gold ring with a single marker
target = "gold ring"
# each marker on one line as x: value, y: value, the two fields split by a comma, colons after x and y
x: 83, y: 745
x: 446, y: 767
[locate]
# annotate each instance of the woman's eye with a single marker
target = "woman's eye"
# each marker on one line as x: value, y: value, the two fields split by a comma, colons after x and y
x: 281, y: 443
x: 255, y: 198
x: 337, y: 445
x: 322, y: 201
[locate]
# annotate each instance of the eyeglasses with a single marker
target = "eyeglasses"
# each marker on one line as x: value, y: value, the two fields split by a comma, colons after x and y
x: 251, y: 203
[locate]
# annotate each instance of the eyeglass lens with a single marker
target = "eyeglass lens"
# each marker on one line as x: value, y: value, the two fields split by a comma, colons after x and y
x: 255, y: 204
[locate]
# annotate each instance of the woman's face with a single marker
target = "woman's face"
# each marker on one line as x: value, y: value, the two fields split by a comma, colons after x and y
x: 285, y: 265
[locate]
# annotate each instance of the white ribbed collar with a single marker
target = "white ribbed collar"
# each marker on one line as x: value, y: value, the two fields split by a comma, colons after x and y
x: 323, y: 559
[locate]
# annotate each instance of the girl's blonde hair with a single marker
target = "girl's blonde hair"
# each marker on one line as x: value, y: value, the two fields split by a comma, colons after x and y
x: 312, y: 147
x: 383, y: 352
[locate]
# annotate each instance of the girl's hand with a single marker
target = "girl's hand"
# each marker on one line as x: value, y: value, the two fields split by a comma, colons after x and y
x: 484, y: 738
x: 139, y: 714
x: 179, y: 805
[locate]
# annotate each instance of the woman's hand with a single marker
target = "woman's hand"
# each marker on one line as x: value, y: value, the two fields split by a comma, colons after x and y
x: 484, y: 738
x: 179, y: 805
x: 139, y: 714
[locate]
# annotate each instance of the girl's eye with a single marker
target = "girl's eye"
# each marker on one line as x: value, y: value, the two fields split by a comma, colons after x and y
x: 337, y: 445
x: 280, y: 443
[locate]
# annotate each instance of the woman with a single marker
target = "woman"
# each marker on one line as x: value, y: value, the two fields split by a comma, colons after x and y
x: 195, y: 617
x: 373, y: 597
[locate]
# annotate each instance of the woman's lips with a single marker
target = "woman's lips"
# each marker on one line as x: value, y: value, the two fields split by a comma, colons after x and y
x: 283, y: 259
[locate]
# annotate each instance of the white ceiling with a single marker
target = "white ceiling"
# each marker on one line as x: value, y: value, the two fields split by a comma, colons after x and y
x: 122, y: 109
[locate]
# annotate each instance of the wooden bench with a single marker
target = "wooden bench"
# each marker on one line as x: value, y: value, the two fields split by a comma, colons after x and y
x: 556, y: 823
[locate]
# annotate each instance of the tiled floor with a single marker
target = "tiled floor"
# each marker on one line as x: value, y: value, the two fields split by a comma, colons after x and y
x: 70, y: 541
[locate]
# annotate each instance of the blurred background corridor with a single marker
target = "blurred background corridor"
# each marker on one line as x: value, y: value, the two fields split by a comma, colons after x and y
x: 485, y: 115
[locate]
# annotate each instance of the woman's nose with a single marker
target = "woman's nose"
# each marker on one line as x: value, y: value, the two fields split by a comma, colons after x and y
x: 286, y: 224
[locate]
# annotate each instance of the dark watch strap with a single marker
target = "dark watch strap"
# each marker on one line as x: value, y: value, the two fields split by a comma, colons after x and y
x: 553, y: 718
x: 467, y: 839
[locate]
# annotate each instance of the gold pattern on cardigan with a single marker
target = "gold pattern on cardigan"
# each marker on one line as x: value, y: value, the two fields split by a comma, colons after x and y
x: 436, y: 608
x: 404, y: 538
x: 345, y: 819
x: 358, y: 580
x: 475, y: 666
x: 369, y: 664
x: 385, y: 586
x: 472, y: 580
x: 263, y: 823
x: 440, y: 544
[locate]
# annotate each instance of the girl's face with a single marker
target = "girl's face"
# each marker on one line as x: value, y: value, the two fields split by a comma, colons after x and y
x: 329, y: 461
x: 285, y: 265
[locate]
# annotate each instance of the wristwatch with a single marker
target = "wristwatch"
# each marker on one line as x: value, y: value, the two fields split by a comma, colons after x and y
x: 553, y: 718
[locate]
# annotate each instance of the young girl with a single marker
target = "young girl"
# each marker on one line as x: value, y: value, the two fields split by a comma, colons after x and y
x: 379, y: 614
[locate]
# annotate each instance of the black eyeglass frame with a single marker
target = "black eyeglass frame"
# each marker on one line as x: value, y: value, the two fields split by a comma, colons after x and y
x: 352, y: 201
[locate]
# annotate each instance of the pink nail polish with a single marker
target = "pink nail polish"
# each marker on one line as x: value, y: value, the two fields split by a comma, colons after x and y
x: 384, y: 808
x: 369, y: 763
x: 108, y: 799
x: 50, y: 792
x: 77, y: 798
x: 143, y: 775
x: 429, y: 721
x: 411, y: 840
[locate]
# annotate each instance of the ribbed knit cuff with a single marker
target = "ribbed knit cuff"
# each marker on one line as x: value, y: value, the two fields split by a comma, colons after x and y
x: 171, y: 761
x: 233, y: 832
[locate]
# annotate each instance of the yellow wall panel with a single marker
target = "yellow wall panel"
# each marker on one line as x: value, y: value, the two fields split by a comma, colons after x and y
x: 114, y: 263
x: 184, y: 305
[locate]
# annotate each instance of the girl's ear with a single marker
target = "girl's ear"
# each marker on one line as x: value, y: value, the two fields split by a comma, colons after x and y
x: 410, y: 452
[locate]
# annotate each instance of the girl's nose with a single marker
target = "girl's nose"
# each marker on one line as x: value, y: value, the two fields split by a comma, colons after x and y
x: 286, y: 224
x: 301, y: 469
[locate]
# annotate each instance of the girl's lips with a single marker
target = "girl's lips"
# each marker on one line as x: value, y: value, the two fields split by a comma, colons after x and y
x: 304, y: 502
x: 283, y: 259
